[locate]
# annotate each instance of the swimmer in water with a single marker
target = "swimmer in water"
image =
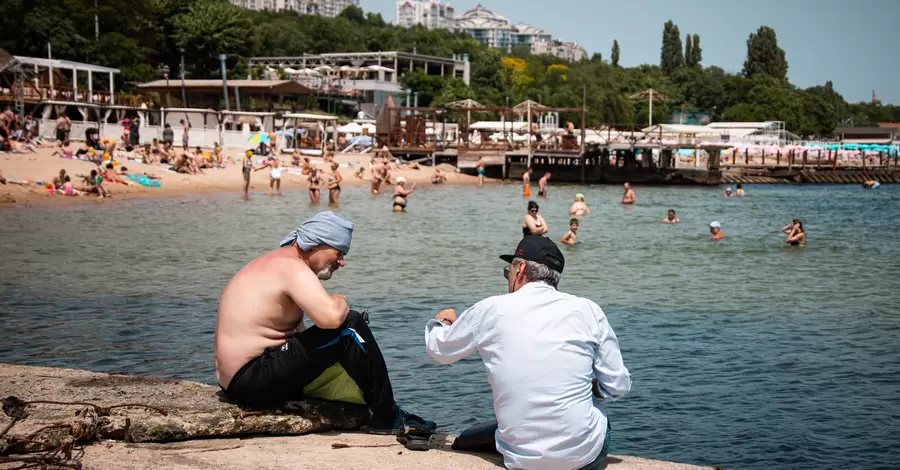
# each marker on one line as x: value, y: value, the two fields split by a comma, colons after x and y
x: 715, y: 229
x: 533, y: 224
x: 401, y: 194
x: 570, y: 237
x: 479, y: 167
x: 628, y: 197
x: 796, y: 236
x: 728, y: 191
x: 526, y: 183
x: 579, y: 207
x: 670, y: 218
x: 542, y: 184
x: 870, y: 184
x: 740, y: 190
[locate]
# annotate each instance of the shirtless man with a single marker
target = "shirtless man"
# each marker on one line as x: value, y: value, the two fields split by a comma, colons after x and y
x: 273, y: 142
x: 479, y: 167
x: 185, y: 136
x: 715, y: 229
x: 526, y: 183
x: 7, y: 123
x: 542, y: 184
x: 579, y: 207
x: 671, y: 218
x: 628, y: 197
x: 63, y: 126
x: 265, y: 355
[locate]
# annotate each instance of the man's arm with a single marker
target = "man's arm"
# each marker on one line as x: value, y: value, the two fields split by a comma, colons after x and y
x: 450, y: 343
x: 326, y: 311
x: 613, y: 379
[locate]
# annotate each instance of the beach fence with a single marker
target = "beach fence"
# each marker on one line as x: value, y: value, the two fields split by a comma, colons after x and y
x: 207, y: 127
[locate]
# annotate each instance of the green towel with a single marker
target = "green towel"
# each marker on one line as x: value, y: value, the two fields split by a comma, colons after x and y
x: 334, y: 384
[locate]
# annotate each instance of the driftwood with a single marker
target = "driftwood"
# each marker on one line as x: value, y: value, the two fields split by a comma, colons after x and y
x: 55, y: 409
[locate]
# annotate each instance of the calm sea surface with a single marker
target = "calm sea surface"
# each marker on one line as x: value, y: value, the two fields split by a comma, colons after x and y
x: 746, y: 353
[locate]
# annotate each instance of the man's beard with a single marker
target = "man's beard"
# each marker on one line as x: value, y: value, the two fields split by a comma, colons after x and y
x: 325, y: 273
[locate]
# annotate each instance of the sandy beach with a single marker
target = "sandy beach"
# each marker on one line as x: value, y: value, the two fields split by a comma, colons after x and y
x: 41, y: 166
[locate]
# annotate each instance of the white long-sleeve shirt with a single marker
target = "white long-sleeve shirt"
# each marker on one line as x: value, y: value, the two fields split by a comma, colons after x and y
x: 541, y: 349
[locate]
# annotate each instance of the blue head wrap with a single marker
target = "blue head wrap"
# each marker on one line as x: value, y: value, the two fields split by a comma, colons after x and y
x: 324, y: 228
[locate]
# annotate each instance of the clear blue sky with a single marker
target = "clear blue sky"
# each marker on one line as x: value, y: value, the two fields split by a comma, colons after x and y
x: 853, y: 43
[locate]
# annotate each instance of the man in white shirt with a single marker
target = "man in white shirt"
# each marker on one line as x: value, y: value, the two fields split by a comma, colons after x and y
x: 551, y: 358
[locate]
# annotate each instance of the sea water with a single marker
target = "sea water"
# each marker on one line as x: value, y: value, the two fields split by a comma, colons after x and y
x: 745, y: 353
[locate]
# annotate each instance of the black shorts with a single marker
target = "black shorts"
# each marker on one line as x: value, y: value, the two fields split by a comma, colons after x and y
x: 279, y: 375
x: 60, y: 135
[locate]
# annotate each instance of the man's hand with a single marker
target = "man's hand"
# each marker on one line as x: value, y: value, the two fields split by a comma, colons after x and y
x: 448, y: 314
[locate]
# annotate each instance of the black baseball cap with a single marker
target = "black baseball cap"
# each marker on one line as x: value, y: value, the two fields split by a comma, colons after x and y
x: 540, y: 250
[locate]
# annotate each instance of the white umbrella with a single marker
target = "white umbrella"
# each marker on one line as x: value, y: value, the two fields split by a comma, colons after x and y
x: 291, y: 71
x: 368, y: 127
x: 379, y: 68
x: 351, y: 128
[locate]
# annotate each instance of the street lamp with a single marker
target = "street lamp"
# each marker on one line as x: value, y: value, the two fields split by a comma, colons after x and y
x: 165, y: 71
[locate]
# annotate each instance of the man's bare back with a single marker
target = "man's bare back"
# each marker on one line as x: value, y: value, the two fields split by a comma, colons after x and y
x: 261, y: 309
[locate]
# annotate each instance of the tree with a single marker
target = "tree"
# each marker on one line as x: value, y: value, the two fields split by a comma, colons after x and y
x: 596, y: 57
x: 614, y: 57
x: 671, y: 57
x: 697, y: 50
x: 689, y: 51
x: 764, y: 56
x: 209, y: 29
x: 354, y: 13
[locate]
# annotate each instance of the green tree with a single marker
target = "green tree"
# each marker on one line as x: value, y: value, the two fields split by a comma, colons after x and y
x: 596, y: 57
x: 211, y: 28
x: 614, y: 57
x: 764, y: 56
x: 671, y: 57
x: 354, y: 14
x: 696, y: 50
x: 689, y: 51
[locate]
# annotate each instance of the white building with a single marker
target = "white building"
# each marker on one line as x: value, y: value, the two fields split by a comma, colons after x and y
x: 494, y: 30
x: 330, y: 8
x: 570, y: 51
x: 431, y: 14
x: 486, y: 27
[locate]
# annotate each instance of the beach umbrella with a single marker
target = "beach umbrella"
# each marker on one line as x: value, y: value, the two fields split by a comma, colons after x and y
x: 261, y: 137
x: 351, y: 128
x: 379, y: 68
x: 466, y: 103
x: 368, y: 127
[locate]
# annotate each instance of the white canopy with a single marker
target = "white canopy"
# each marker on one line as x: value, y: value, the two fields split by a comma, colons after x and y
x: 351, y: 128
x: 498, y: 126
x: 379, y: 68
x: 310, y: 117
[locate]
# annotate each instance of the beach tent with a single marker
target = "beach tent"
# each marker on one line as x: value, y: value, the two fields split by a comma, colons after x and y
x: 350, y: 128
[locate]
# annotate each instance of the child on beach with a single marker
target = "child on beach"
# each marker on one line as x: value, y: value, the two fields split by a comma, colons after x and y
x: 65, y: 151
x: 570, y: 237
x: 68, y: 189
x: 59, y: 180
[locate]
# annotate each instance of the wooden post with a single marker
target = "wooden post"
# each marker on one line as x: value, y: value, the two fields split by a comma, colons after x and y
x: 834, y: 158
x: 818, y: 158
x: 880, y: 158
x: 804, y: 158
x: 778, y: 157
x: 746, y: 156
x: 583, y: 168
x: 764, y: 157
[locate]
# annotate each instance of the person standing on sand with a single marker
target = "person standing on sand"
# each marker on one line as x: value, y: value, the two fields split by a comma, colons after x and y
x: 715, y: 229
x: 246, y: 168
x: 334, y: 184
x: 552, y: 361
x: 542, y: 184
x: 273, y: 142
x: 628, y: 197
x: 185, y: 136
x: 168, y: 137
x: 479, y: 167
x: 526, y: 183
x: 401, y: 194
x: 534, y: 223
x: 265, y: 355
x: 670, y: 218
x: 63, y: 126
x: 579, y: 207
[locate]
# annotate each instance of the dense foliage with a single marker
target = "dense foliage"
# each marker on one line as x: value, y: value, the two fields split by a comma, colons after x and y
x: 143, y: 38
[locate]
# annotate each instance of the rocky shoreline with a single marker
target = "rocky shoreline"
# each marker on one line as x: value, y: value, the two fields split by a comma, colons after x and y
x: 79, y: 419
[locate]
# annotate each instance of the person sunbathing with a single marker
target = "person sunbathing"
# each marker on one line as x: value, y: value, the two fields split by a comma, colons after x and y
x: 113, y: 176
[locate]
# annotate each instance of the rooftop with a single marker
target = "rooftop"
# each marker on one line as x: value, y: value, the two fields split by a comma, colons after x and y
x: 284, y: 86
x: 481, y: 18
x: 63, y: 64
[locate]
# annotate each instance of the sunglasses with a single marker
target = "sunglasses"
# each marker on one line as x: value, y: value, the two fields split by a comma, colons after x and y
x: 506, y: 272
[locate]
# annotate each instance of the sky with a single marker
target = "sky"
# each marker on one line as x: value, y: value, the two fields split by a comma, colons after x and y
x: 855, y: 44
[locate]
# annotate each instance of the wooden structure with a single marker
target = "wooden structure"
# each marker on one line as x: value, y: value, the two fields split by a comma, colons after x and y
x: 253, y: 95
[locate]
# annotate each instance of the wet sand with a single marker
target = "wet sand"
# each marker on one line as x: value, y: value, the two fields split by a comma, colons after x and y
x: 41, y: 166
